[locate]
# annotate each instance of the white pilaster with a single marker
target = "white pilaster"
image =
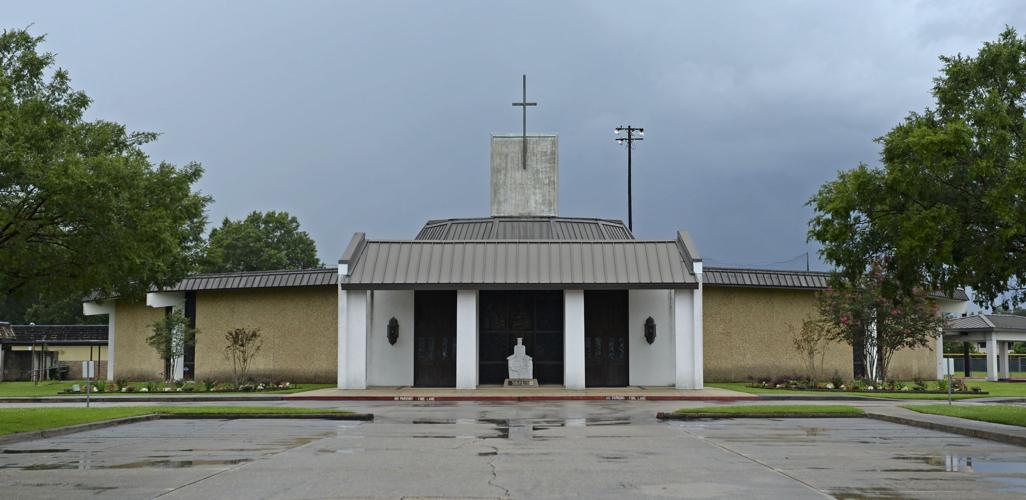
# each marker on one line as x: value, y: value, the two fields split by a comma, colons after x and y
x: 179, y: 339
x: 683, y: 342
x: 697, y: 365
x: 992, y: 353
x: 1003, y: 363
x: 942, y: 367
x: 340, y: 324
x: 108, y: 308
x: 466, y: 339
x: 353, y: 344
x: 573, y: 339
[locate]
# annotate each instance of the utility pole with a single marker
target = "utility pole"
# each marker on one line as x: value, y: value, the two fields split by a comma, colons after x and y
x: 633, y: 134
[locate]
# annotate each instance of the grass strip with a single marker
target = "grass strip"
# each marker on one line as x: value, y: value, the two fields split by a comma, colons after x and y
x: 998, y: 414
x: 772, y: 410
x: 13, y: 420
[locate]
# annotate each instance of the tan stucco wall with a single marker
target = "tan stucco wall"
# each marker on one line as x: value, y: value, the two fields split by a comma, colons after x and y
x: 133, y: 359
x: 748, y: 333
x: 298, y: 326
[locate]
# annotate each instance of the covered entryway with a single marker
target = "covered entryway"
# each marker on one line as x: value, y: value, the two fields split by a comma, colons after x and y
x: 535, y: 316
x: 434, y: 339
x: 605, y: 338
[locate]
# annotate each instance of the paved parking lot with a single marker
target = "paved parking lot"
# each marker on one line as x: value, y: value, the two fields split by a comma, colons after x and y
x: 593, y: 450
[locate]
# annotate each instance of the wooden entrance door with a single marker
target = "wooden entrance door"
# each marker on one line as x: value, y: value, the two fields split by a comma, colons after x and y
x: 434, y: 339
x: 605, y: 338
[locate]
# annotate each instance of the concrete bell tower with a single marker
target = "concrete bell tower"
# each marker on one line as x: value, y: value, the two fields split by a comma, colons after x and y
x: 525, y: 186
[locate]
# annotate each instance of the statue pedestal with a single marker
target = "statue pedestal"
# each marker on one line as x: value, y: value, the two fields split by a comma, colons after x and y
x: 520, y: 382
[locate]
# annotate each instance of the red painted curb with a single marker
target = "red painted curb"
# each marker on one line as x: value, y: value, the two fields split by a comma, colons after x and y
x: 521, y: 398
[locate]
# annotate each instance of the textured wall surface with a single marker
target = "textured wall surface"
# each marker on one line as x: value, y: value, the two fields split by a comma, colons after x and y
x: 134, y: 359
x: 298, y: 326
x: 749, y: 332
x: 520, y: 191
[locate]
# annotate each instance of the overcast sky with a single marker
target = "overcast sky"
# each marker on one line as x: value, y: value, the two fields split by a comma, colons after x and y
x: 356, y: 116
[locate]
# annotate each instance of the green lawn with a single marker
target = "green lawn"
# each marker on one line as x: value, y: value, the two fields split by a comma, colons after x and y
x: 54, y: 388
x: 999, y: 414
x: 33, y: 419
x: 993, y: 388
x: 774, y: 409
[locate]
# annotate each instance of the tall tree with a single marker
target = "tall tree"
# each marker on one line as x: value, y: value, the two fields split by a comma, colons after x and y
x: 948, y: 206
x: 260, y: 242
x: 82, y: 208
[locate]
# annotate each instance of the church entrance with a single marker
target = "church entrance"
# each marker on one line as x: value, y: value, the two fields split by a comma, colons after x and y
x: 535, y: 316
x: 605, y: 338
x: 434, y: 339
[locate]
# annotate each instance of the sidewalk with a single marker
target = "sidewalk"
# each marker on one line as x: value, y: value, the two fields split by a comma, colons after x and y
x: 1009, y: 434
x: 544, y: 393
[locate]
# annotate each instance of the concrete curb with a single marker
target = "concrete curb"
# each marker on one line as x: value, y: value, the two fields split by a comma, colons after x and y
x: 717, y: 416
x: 991, y: 435
x: 71, y: 429
x: 521, y: 398
x: 139, y: 399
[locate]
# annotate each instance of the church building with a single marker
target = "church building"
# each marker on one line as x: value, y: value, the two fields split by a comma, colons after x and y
x: 593, y: 305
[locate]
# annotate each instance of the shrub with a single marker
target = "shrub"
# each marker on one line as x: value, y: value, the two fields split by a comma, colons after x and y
x: 918, y: 384
x: 836, y: 379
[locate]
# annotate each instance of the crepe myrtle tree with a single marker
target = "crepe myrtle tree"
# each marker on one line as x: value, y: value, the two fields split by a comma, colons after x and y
x: 170, y: 336
x: 877, y: 316
x: 241, y: 346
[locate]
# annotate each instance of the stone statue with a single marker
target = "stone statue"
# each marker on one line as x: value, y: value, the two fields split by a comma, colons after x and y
x: 521, y: 367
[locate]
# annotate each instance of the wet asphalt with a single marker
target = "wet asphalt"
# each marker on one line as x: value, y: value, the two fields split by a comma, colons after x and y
x: 602, y: 449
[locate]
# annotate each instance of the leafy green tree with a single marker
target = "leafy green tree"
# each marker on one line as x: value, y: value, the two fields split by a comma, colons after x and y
x: 876, y: 316
x: 948, y: 206
x: 260, y: 242
x: 82, y: 208
x: 170, y: 336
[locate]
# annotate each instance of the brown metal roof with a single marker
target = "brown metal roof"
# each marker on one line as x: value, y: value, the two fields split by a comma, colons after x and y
x: 258, y: 279
x: 524, y: 228
x: 987, y: 323
x: 764, y: 278
x: 519, y: 264
x: 58, y: 334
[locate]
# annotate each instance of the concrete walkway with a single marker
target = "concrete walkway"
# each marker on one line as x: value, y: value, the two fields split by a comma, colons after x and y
x: 544, y: 393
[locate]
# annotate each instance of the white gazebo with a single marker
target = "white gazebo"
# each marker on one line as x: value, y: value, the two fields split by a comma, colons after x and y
x: 997, y: 331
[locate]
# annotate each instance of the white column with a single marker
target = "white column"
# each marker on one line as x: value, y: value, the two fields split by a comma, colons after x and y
x: 108, y: 308
x: 941, y: 363
x: 354, y: 345
x: 341, y: 346
x: 683, y: 341
x: 697, y: 336
x: 466, y: 339
x: 573, y: 339
x: 1003, y: 363
x: 992, y: 352
x: 179, y: 335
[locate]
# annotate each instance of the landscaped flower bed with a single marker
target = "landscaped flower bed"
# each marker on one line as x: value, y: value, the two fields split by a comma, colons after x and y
x: 178, y: 387
x: 958, y: 386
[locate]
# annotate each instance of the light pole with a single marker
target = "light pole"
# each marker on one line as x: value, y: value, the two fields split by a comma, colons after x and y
x: 633, y: 134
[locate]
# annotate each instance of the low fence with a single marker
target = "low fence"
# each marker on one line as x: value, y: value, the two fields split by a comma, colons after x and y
x: 1016, y: 362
